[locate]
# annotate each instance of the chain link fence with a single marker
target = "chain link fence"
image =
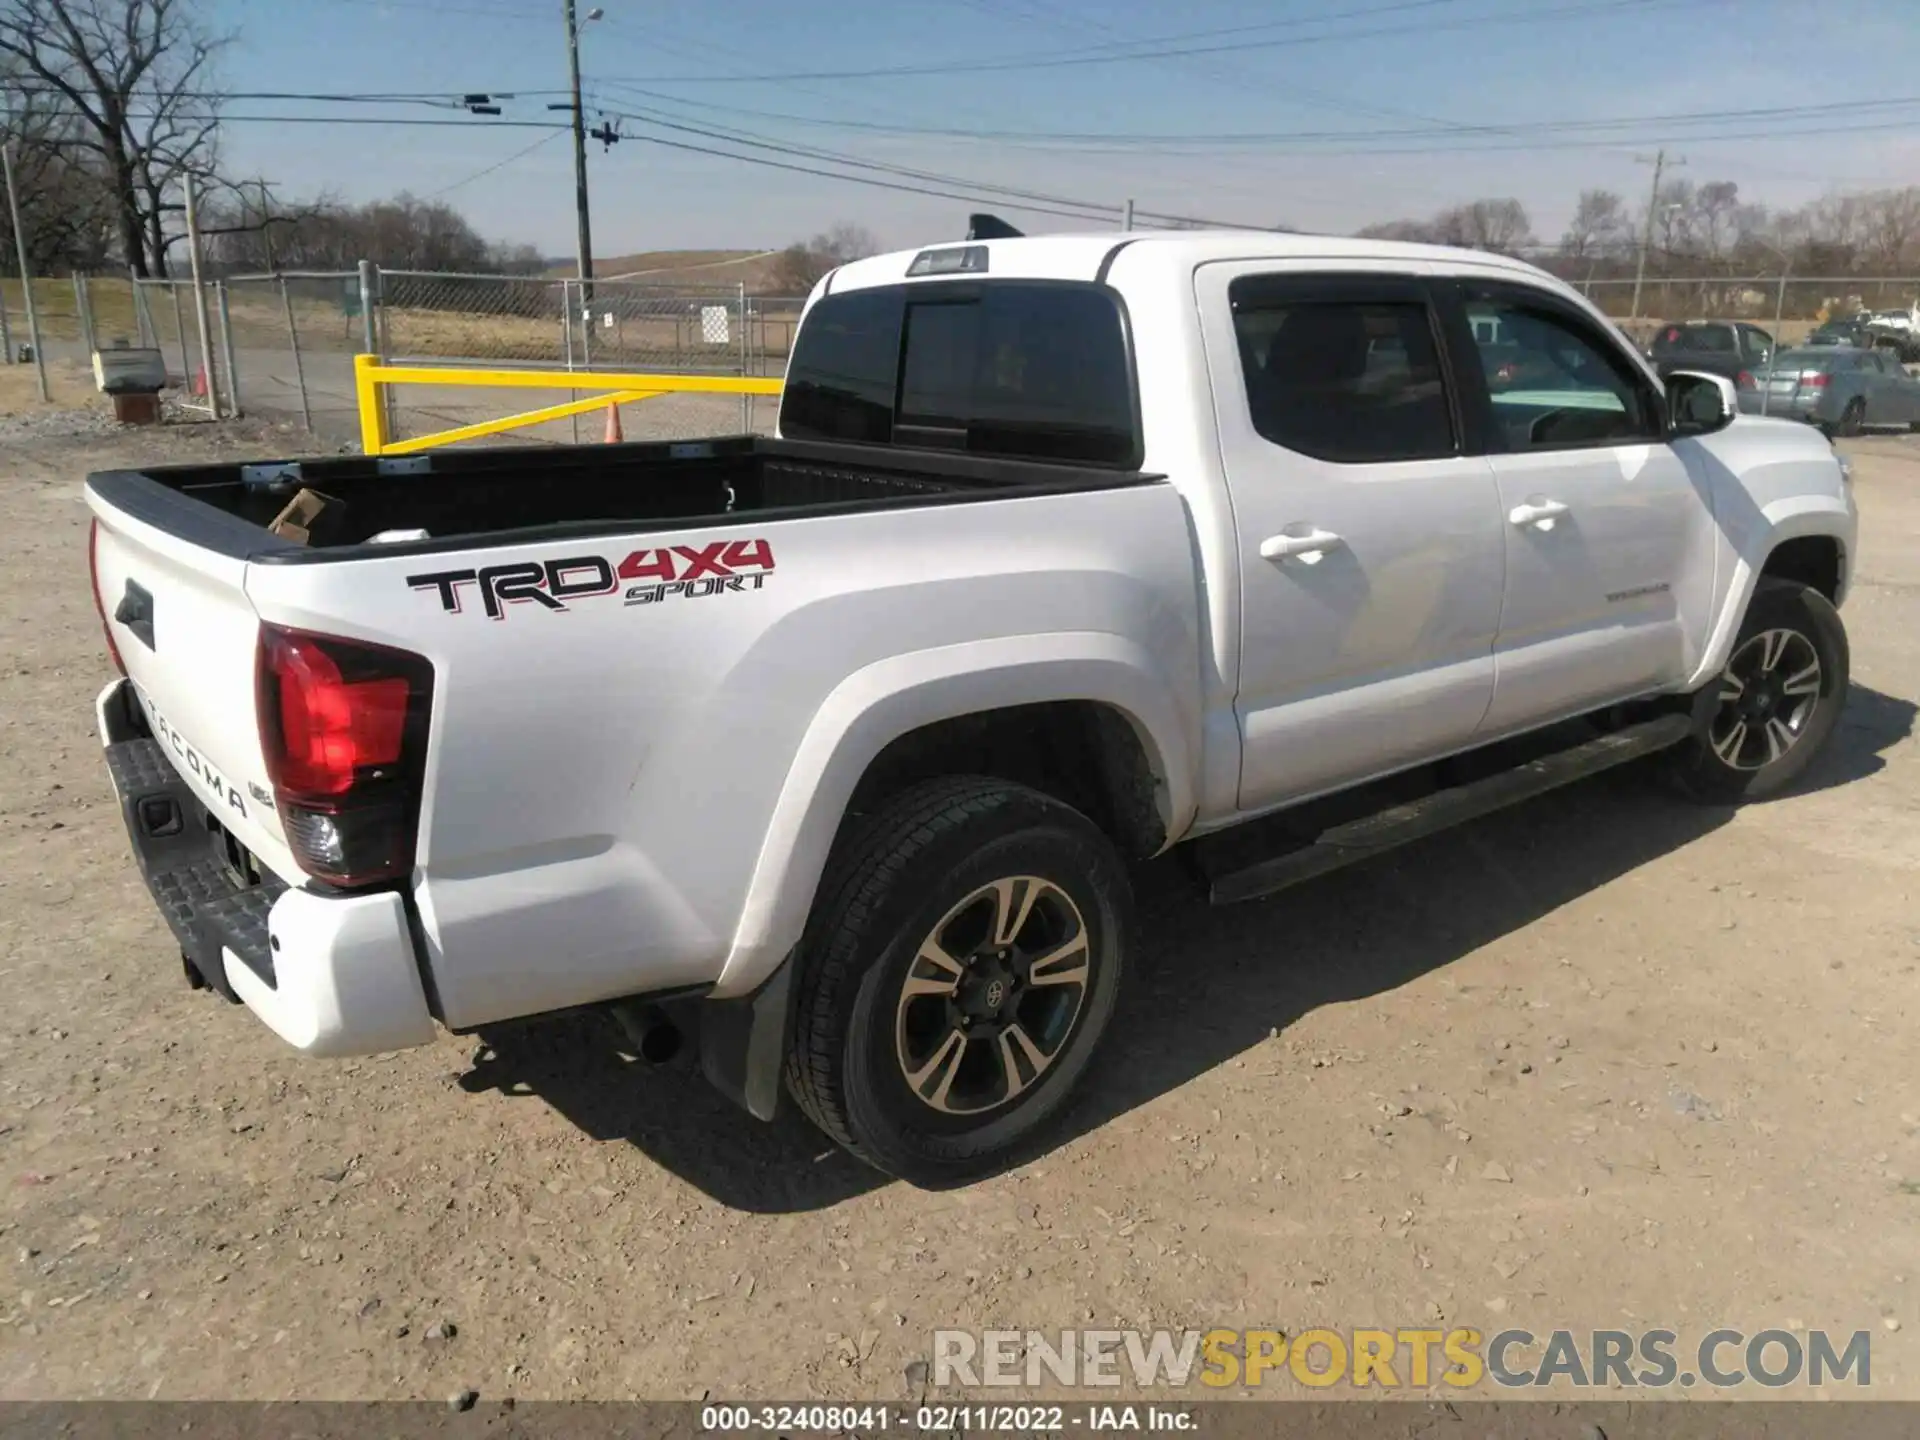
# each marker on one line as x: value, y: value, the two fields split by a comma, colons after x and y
x: 574, y: 326
x: 282, y: 345
x: 1787, y: 306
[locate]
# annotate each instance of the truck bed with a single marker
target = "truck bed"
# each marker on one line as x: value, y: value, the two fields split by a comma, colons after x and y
x: 512, y: 494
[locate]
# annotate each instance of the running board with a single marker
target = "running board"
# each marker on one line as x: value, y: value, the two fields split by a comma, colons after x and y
x: 1398, y: 824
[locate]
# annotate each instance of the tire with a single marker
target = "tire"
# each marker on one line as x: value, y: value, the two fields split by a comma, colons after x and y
x: 945, y: 863
x: 1740, y: 752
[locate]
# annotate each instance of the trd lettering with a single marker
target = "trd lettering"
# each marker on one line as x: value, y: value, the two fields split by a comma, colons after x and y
x: 685, y: 570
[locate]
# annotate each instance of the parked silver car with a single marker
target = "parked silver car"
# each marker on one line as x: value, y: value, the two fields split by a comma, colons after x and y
x: 1842, y: 389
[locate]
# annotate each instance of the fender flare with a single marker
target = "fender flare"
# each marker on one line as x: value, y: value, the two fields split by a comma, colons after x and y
x: 892, y: 697
x: 1798, y: 518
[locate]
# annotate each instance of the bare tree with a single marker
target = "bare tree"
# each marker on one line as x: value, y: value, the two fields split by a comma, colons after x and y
x: 138, y: 76
x: 1500, y: 225
x: 800, y: 266
x: 1598, y: 227
x: 1890, y: 226
x: 1716, y: 207
x: 1419, y: 232
x: 66, y: 202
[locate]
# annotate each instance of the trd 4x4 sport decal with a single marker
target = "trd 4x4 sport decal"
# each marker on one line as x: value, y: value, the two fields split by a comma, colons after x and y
x: 686, y: 572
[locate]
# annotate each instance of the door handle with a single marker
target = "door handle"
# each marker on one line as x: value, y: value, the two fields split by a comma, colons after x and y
x: 1308, y: 548
x: 1538, y: 513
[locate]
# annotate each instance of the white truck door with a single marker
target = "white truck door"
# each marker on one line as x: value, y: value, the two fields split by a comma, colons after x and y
x: 1370, y: 543
x: 1609, y: 540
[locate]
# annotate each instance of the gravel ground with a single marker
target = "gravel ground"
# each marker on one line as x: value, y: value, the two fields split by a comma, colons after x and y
x: 1604, y: 1060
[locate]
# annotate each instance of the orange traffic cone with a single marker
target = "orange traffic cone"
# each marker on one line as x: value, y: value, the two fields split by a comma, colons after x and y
x: 614, y: 434
x: 200, y: 381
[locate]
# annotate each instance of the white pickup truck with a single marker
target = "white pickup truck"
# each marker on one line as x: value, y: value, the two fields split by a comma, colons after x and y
x: 832, y: 750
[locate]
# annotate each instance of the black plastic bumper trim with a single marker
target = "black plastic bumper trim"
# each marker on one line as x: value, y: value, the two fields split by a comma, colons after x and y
x: 180, y: 857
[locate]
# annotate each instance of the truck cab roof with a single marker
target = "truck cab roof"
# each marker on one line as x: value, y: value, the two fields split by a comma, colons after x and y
x: 1088, y: 257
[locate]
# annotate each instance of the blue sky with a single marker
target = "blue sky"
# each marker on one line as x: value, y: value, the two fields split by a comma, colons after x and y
x: 1280, y: 68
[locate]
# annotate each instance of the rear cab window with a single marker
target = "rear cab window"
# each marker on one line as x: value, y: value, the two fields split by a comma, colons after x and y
x: 1038, y: 370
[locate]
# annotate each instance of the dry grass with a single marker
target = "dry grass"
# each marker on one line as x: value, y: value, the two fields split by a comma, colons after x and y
x: 72, y: 388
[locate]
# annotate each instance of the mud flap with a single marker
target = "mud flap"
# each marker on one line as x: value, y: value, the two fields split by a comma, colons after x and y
x: 743, y: 1043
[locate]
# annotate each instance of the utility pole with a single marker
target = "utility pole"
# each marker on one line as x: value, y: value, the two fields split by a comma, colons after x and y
x: 579, y: 148
x: 1127, y: 223
x: 1659, y: 163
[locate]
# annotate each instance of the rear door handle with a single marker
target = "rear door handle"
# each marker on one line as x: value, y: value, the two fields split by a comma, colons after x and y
x: 1539, y: 513
x: 1308, y: 548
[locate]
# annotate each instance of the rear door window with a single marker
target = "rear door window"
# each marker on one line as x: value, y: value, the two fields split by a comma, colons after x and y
x: 1353, y: 380
x: 1026, y: 369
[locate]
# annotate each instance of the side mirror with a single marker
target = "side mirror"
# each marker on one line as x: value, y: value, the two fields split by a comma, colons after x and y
x: 1699, y: 403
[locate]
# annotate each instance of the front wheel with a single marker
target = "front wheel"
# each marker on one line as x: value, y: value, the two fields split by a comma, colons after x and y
x: 1775, y: 703
x: 957, y: 975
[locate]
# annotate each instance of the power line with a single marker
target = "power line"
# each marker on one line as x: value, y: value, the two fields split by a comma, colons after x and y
x: 747, y: 138
x: 497, y: 165
x: 1108, y: 57
x: 1003, y: 203
x: 1227, y: 138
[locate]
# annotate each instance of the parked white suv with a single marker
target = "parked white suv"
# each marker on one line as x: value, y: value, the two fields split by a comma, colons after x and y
x: 833, y: 748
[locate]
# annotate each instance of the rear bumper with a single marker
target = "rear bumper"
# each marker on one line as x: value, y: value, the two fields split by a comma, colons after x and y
x: 330, y: 974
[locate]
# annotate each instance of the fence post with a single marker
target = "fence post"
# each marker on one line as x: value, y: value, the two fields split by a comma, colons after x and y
x: 200, y: 320
x: 6, y: 331
x: 293, y: 336
x: 180, y: 332
x: 84, y: 309
x: 26, y: 277
x: 368, y: 345
x: 566, y: 335
x: 142, y: 315
x: 746, y: 401
x: 226, y: 348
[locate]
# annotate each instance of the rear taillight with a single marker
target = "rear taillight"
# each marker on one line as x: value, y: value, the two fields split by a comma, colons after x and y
x: 343, y: 725
x: 1817, y: 380
x: 1744, y: 380
x: 99, y: 600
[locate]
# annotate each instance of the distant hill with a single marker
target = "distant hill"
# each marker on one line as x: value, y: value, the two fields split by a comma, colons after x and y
x: 696, y: 267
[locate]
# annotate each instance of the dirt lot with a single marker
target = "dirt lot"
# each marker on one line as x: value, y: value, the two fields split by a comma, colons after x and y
x: 1605, y: 1060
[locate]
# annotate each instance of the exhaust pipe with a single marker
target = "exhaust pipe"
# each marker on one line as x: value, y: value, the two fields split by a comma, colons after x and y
x: 655, y: 1038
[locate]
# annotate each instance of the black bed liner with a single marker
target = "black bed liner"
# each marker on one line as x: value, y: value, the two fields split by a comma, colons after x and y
x: 514, y: 495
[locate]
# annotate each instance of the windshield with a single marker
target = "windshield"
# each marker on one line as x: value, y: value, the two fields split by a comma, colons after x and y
x: 1713, y: 339
x: 1805, y: 360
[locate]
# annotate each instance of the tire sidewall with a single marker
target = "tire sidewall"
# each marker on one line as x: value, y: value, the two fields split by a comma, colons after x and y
x: 1777, y: 606
x: 884, y: 1115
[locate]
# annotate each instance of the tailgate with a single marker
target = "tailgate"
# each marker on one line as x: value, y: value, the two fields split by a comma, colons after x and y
x: 187, y: 635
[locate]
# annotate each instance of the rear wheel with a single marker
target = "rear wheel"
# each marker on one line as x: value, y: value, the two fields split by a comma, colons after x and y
x: 1775, y: 703
x: 956, y: 977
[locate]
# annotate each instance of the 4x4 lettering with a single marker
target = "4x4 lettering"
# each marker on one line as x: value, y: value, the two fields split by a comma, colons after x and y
x: 638, y: 565
x: 749, y: 555
x: 448, y: 583
x: 501, y: 585
x: 704, y: 561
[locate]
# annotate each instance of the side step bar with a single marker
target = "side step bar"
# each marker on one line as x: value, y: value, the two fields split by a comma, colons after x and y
x: 1398, y: 824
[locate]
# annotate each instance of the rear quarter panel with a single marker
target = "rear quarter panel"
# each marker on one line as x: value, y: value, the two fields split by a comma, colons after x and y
x: 599, y: 816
